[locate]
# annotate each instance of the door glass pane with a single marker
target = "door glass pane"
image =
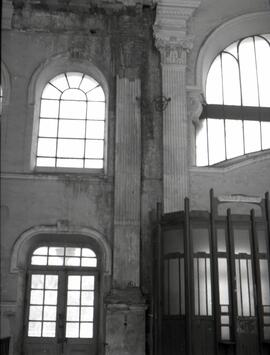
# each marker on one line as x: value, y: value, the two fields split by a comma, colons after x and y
x: 73, y: 298
x: 35, y: 313
x: 174, y: 286
x: 72, y: 330
x: 86, y: 330
x: 73, y: 313
x: 50, y: 297
x: 48, y: 329
x: 34, y: 329
x: 74, y: 282
x: 87, y: 314
x: 50, y: 313
x: 88, y: 282
x: 87, y: 298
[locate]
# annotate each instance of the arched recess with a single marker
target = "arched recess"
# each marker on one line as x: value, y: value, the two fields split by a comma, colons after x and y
x: 64, y: 62
x: 225, y: 34
x: 60, y: 233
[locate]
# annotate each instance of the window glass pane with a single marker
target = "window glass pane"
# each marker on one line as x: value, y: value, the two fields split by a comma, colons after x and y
x: 50, y: 313
x: 87, y: 298
x: 252, y: 136
x: 86, y: 330
x: 57, y: 251
x: 70, y: 148
x: 73, y: 95
x: 55, y: 260
x: 50, y: 162
x: 214, y: 83
x: 95, y: 129
x: 51, y: 282
x: 88, y: 84
x: 96, y: 94
x: 200, y: 240
x: 73, y: 298
x: 71, y: 128
x: 94, y: 164
x: 88, y: 282
x: 72, y: 261
x: 87, y: 314
x: 96, y: 111
x: 34, y: 329
x: 72, y: 330
x: 73, y: 251
x: 88, y: 252
x: 265, y: 289
x: 74, y: 282
x: 37, y: 281
x: 74, y: 79
x: 231, y: 82
x: 48, y: 329
x: 46, y: 147
x: 265, y: 135
x: 69, y: 163
x: 223, y: 281
x: 241, y: 241
x: 50, y: 297
x: 94, y: 149
x: 234, y: 138
x: 201, y: 144
x: 35, y: 313
x: 73, y: 313
x: 39, y: 260
x: 89, y: 262
x: 248, y: 73
x: 216, y: 140
x: 49, y: 108
x: 263, y: 60
x: 73, y: 109
x: 50, y: 92
x: 47, y: 128
x: 60, y: 82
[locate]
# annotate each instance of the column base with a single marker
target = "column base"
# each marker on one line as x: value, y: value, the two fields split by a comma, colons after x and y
x: 125, y: 322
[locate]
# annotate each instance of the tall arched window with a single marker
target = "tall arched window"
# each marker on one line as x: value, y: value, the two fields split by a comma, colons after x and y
x: 62, y: 294
x: 71, y: 123
x: 236, y: 117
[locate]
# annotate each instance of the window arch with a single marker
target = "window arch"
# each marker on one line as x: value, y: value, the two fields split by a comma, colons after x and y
x: 71, y: 129
x: 235, y: 119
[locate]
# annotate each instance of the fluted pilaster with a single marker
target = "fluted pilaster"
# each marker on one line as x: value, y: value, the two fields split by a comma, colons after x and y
x: 173, y: 42
x: 127, y: 183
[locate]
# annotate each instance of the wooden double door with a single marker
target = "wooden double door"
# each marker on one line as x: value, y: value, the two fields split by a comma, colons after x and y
x: 212, y: 289
x: 61, y: 312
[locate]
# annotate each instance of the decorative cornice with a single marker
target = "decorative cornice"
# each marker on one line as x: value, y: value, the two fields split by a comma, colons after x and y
x: 170, y: 30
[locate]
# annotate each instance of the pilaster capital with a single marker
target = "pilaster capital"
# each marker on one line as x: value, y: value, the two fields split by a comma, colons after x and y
x: 170, y: 29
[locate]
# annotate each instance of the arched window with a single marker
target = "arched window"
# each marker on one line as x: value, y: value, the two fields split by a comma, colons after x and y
x: 71, y: 123
x: 236, y: 117
x: 62, y: 298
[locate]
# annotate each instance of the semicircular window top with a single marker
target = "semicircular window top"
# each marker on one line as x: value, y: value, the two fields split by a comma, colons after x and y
x: 236, y: 117
x: 71, y: 123
x: 64, y: 256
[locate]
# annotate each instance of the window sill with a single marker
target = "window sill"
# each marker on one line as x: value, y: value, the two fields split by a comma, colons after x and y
x: 69, y: 171
x: 235, y: 163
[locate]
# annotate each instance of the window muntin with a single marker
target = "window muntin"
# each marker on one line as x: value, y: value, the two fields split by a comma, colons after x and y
x: 235, y: 121
x: 71, y: 123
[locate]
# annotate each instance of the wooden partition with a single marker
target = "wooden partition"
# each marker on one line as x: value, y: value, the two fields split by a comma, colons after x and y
x: 211, y: 280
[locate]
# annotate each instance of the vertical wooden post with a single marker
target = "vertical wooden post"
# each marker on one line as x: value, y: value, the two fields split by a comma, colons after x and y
x: 214, y: 268
x: 188, y: 293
